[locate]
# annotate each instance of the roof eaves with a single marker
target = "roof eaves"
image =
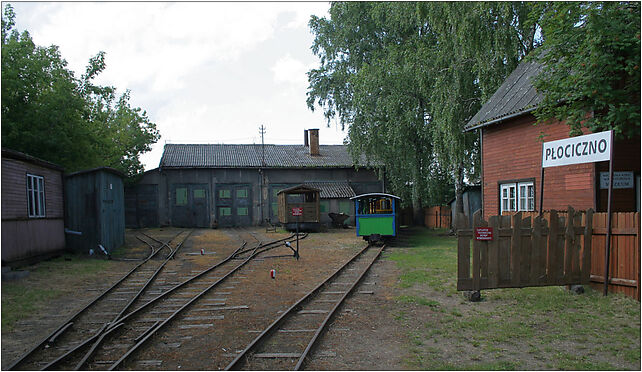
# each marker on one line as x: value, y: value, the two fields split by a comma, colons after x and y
x: 502, y: 118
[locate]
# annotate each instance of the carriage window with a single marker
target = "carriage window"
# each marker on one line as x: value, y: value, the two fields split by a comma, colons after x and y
x: 294, y: 198
x: 224, y: 193
x: 375, y: 205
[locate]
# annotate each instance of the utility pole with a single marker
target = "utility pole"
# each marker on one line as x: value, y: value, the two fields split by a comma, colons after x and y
x: 261, y: 175
x: 262, y: 131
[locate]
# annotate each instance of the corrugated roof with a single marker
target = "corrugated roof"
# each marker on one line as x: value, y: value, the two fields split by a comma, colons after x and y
x: 333, y: 189
x: 515, y: 96
x: 249, y: 156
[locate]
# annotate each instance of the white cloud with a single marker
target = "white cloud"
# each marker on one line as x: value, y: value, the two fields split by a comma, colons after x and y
x: 204, y: 72
x: 290, y: 70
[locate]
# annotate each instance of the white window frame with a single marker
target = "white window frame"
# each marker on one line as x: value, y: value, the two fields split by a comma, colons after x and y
x: 35, y: 196
x: 517, y: 196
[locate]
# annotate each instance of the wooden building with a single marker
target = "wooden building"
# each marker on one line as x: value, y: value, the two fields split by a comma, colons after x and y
x: 32, y: 208
x: 511, y: 157
x: 208, y: 185
x: 511, y: 151
x: 307, y: 199
x: 95, y: 208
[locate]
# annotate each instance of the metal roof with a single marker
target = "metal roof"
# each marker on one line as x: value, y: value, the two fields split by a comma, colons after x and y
x: 250, y: 156
x: 516, y: 96
x: 333, y: 189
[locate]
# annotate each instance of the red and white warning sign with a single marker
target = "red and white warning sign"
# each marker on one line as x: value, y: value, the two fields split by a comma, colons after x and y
x: 297, y: 211
x: 483, y: 233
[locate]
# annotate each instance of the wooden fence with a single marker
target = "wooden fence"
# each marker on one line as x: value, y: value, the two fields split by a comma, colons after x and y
x: 525, y: 252
x: 624, y: 257
x: 624, y: 267
x: 437, y: 217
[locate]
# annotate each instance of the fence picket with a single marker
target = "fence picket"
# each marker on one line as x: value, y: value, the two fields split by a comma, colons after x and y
x: 536, y: 251
x: 516, y: 249
x: 557, y: 248
x: 586, y: 250
x: 493, y: 253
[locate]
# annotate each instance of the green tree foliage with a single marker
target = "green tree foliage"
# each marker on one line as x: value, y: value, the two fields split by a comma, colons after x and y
x: 48, y: 113
x: 406, y: 77
x: 591, y: 58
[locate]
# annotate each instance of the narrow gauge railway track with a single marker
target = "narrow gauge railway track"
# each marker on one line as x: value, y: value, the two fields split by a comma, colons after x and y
x: 185, y: 296
x: 105, y: 308
x: 150, y: 311
x: 296, y: 331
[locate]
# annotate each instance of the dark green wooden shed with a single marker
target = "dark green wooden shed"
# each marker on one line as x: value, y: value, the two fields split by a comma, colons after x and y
x: 94, y: 210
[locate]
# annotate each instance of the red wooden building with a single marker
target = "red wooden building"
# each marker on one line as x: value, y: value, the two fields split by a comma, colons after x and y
x: 511, y: 157
x: 511, y: 143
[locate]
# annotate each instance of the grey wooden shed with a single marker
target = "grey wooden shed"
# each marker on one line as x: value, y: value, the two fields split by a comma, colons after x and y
x: 95, y: 209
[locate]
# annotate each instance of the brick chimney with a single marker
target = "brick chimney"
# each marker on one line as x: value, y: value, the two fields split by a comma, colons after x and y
x: 305, y: 138
x: 314, y: 142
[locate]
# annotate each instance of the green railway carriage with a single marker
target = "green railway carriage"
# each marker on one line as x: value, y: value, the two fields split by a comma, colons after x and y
x: 376, y: 215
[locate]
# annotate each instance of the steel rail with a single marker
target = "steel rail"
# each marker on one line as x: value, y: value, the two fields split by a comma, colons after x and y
x: 65, y: 325
x: 255, y: 252
x: 106, y: 326
x: 140, y: 292
x: 273, y: 326
x: 333, y: 311
x: 274, y: 242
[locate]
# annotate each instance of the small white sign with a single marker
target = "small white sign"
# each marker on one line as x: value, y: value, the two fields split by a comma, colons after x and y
x: 621, y: 180
x: 589, y: 148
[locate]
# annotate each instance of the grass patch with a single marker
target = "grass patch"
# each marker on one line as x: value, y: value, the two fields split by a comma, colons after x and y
x: 46, y: 281
x: 528, y: 328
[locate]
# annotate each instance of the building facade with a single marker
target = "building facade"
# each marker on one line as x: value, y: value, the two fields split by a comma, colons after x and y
x: 32, y: 208
x: 511, y: 157
x: 237, y: 185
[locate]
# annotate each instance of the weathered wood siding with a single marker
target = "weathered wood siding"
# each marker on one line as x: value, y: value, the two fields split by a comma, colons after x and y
x: 95, y: 207
x: 24, y: 237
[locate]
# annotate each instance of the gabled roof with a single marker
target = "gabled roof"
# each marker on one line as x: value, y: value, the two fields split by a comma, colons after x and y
x: 17, y: 155
x: 298, y: 189
x: 516, y: 96
x: 250, y: 156
x: 333, y: 189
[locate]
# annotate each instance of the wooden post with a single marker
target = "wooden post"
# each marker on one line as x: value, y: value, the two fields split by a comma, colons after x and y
x: 477, y: 246
x: 552, y: 266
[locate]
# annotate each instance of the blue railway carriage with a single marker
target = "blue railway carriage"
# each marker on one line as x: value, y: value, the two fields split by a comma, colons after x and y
x: 377, y: 216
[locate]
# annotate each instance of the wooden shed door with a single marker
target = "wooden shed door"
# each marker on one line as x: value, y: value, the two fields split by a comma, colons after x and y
x: 234, y: 205
x: 189, y: 205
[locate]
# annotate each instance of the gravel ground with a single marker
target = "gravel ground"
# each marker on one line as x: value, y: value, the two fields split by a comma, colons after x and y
x: 363, y: 336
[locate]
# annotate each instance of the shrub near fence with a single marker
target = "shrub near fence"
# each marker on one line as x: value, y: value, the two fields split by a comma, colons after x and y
x: 525, y: 252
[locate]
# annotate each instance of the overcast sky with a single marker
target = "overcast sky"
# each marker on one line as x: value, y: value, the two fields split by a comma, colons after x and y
x: 204, y: 72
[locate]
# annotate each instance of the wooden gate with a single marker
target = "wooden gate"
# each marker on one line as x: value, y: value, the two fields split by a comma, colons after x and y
x: 525, y: 252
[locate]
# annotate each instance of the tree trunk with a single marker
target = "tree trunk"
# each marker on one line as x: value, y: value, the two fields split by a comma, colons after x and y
x: 459, y: 192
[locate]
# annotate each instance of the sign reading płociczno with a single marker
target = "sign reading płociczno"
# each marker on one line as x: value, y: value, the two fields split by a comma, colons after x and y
x: 577, y: 150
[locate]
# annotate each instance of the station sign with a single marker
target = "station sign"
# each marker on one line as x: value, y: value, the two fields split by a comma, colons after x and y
x: 589, y: 148
x: 297, y: 211
x: 483, y: 233
x: 621, y: 180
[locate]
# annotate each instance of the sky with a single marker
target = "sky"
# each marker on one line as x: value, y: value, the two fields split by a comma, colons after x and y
x: 203, y: 72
